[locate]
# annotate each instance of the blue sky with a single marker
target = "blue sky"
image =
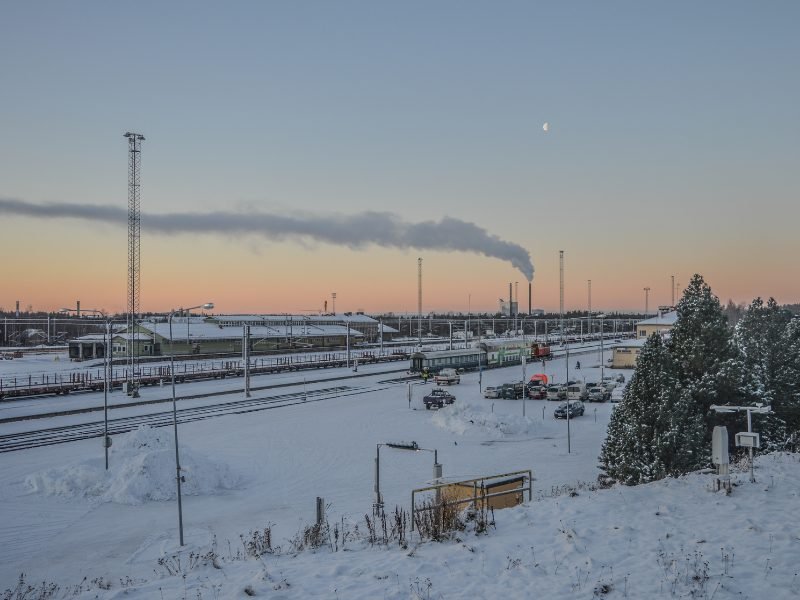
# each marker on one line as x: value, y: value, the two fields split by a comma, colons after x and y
x: 676, y: 123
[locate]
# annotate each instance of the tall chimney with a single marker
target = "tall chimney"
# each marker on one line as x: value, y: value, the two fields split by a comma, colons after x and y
x: 18, y: 309
x: 530, y: 311
x: 78, y: 306
x: 673, y: 290
x: 510, y: 299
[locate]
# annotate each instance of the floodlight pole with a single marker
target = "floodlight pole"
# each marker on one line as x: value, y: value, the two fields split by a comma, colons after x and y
x: 178, y: 477
x: 246, y: 357
x: 378, y: 500
x: 602, y: 353
x: 524, y: 389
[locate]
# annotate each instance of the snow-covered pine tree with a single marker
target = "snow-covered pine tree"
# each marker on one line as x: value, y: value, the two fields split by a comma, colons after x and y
x: 763, y: 353
x: 788, y: 382
x: 701, y: 337
x: 701, y: 344
x: 759, y: 337
x: 655, y: 431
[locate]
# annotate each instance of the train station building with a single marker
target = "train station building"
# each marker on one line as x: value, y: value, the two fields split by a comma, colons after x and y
x: 223, y: 334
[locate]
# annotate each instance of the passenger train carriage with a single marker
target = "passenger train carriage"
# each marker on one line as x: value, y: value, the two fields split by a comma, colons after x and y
x: 488, y: 354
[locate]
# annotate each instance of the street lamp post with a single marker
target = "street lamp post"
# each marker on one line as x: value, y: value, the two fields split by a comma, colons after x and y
x: 207, y: 306
x: 602, y: 354
x: 413, y: 446
x: 106, y: 377
x: 524, y: 389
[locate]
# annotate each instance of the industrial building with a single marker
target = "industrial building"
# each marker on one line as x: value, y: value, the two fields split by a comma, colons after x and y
x: 225, y: 333
x: 627, y: 353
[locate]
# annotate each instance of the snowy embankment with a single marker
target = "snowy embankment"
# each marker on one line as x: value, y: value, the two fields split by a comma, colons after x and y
x: 669, y: 539
x: 144, y: 470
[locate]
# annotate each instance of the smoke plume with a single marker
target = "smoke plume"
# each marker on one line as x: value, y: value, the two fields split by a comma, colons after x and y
x: 354, y: 231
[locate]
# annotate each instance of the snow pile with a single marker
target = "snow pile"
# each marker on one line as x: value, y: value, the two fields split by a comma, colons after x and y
x: 141, y: 468
x: 461, y: 417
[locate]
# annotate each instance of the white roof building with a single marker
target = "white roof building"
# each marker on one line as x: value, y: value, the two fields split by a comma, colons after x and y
x: 662, y: 324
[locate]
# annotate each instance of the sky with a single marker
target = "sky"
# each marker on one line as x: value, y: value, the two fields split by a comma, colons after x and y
x: 296, y: 149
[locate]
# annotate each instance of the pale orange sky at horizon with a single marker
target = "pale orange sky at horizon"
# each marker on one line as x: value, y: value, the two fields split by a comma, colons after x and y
x: 257, y: 276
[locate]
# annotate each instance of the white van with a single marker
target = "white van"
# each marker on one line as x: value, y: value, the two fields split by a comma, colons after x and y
x: 447, y: 377
x: 577, y: 391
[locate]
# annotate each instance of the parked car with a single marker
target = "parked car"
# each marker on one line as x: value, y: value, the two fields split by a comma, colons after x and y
x: 556, y: 392
x: 538, y: 393
x: 438, y: 398
x: 491, y: 392
x: 598, y: 394
x: 616, y: 394
x: 575, y: 408
x: 447, y: 377
x: 512, y: 391
x: 576, y: 391
x: 609, y: 383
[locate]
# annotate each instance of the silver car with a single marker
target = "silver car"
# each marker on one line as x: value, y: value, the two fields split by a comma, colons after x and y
x: 491, y: 392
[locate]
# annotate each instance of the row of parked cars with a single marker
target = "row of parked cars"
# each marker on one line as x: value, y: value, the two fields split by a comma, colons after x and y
x: 574, y: 390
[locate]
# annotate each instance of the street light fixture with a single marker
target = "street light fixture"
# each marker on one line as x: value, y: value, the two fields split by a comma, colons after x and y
x: 206, y: 306
x: 414, y: 447
x: 106, y: 368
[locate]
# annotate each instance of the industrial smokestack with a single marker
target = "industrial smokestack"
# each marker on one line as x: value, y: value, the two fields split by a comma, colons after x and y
x: 419, y: 298
x: 18, y: 309
x: 510, y: 299
x: 530, y: 311
x: 78, y: 307
x: 673, y: 290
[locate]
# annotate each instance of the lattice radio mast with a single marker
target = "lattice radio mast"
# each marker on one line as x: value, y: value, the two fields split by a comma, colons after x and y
x: 134, y: 252
x: 419, y: 298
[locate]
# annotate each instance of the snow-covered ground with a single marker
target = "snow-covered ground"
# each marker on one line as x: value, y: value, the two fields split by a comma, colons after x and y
x: 64, y: 518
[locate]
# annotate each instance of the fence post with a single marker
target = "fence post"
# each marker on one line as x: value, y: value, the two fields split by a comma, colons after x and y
x: 320, y: 510
x: 412, y: 511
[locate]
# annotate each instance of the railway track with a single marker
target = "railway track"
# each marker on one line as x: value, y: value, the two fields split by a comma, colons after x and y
x: 133, y: 404
x: 69, y: 433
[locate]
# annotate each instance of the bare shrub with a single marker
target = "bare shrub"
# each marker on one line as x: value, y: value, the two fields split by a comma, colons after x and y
x: 258, y: 543
x: 438, y: 520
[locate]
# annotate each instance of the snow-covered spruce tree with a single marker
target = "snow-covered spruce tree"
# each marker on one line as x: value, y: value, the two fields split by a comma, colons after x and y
x: 759, y: 337
x: 655, y: 431
x: 701, y: 337
x: 701, y: 344
x: 763, y: 350
x: 788, y: 382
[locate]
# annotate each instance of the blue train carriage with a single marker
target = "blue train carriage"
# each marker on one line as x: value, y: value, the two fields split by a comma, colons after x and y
x: 500, y: 353
x: 433, y: 362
